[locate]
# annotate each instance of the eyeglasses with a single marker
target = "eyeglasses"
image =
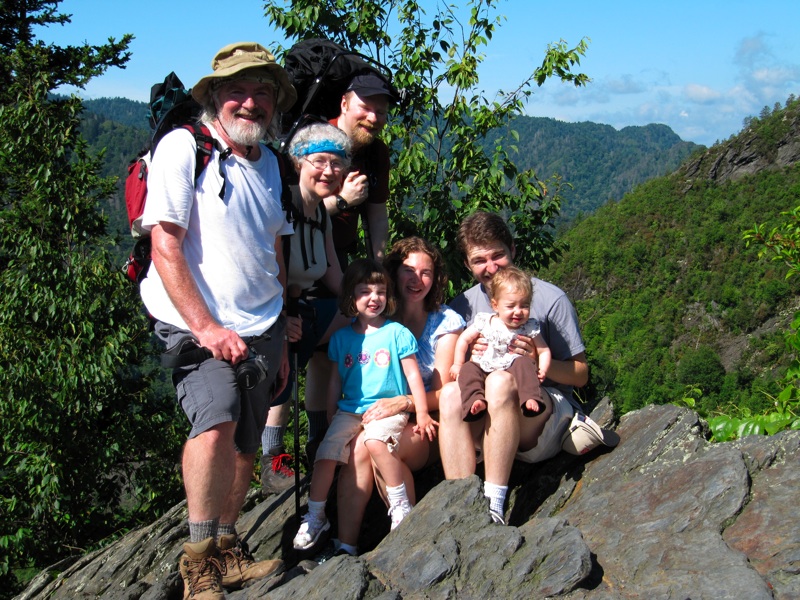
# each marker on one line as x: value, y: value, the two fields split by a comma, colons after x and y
x: 320, y: 164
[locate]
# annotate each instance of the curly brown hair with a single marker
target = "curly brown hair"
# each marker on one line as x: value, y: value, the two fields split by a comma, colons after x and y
x: 402, y: 249
x: 365, y: 270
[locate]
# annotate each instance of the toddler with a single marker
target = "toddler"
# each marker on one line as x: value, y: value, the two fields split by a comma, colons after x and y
x: 511, y: 293
x: 374, y: 358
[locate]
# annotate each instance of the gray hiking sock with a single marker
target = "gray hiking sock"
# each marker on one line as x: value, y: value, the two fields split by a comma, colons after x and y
x: 226, y: 529
x: 272, y: 440
x: 200, y: 530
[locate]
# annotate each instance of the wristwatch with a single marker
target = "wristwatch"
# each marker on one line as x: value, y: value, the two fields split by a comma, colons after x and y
x: 341, y: 203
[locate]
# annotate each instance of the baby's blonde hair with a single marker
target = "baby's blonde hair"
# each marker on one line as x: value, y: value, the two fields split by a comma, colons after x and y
x: 512, y: 279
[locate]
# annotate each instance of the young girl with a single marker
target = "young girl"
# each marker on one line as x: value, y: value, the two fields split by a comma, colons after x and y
x: 374, y: 358
x: 511, y: 292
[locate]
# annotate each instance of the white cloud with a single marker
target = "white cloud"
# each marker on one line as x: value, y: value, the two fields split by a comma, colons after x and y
x: 778, y: 75
x: 700, y: 94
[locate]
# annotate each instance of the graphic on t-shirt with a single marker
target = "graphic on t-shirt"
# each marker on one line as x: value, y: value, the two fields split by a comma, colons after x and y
x: 348, y: 360
x: 383, y: 357
x: 363, y: 358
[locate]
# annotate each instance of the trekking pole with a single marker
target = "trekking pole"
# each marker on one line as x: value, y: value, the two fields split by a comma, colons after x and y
x: 367, y: 236
x: 293, y: 310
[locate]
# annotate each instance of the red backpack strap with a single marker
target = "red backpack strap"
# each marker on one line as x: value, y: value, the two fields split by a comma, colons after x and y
x: 205, y: 145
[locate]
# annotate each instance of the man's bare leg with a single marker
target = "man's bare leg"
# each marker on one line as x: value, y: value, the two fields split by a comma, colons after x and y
x: 238, y: 492
x: 501, y: 432
x: 456, y: 442
x: 278, y: 416
x: 208, y: 471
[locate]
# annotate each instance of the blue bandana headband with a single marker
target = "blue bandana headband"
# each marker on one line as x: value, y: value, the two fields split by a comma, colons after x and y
x: 321, y: 146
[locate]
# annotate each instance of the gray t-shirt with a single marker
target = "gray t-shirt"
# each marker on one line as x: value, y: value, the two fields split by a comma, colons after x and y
x: 550, y: 306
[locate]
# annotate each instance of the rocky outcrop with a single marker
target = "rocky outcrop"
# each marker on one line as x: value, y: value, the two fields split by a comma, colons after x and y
x: 664, y: 515
x: 748, y: 153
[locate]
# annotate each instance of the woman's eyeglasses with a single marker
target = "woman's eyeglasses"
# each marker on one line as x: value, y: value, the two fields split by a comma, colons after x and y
x: 320, y: 164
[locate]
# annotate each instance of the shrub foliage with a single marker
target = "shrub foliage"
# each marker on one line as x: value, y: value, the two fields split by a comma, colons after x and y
x: 85, y: 447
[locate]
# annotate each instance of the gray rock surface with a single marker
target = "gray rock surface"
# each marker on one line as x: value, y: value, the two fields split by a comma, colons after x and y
x: 746, y: 154
x: 664, y: 515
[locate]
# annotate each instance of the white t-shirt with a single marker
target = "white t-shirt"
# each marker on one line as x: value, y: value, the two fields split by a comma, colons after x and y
x: 498, y: 336
x: 230, y: 243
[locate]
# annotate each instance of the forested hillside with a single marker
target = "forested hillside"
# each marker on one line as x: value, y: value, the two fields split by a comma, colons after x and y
x: 598, y: 162
x: 667, y: 292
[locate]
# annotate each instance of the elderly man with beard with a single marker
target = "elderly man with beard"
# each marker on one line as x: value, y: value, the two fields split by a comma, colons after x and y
x: 216, y: 287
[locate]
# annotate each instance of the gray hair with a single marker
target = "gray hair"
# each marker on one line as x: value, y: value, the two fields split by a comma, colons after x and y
x: 318, y: 135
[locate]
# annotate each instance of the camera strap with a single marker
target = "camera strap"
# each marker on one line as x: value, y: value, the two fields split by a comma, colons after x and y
x: 186, y: 352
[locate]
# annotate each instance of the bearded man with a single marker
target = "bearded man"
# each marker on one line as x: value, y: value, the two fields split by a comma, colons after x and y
x: 217, y: 283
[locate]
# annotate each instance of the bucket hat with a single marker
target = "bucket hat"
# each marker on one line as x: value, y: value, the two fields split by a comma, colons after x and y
x: 235, y: 58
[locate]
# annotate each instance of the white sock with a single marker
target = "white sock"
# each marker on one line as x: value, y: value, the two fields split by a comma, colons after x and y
x: 351, y: 550
x: 317, y: 510
x: 396, y: 494
x: 496, y: 495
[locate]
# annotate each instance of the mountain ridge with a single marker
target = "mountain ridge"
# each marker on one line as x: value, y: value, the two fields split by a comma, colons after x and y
x: 667, y: 291
x: 596, y: 160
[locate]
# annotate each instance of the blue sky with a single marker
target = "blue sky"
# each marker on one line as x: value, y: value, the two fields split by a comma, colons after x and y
x: 700, y: 67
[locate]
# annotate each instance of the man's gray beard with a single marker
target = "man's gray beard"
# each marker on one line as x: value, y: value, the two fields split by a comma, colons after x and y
x: 245, y: 133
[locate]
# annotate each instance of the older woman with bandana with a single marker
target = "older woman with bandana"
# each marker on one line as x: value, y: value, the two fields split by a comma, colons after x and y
x: 320, y: 154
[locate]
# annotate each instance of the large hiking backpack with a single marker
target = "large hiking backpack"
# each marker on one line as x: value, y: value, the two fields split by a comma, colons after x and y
x: 172, y: 107
x: 320, y: 71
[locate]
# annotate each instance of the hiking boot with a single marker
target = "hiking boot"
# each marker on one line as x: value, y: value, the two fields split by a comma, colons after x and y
x: 201, y: 571
x: 276, y: 474
x: 238, y: 566
x: 398, y: 512
x: 310, y: 531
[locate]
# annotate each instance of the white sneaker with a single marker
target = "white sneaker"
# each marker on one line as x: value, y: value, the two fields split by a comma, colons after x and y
x: 497, y: 517
x: 309, y: 531
x: 398, y: 512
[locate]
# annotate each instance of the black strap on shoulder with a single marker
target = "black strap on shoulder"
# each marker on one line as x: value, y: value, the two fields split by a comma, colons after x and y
x: 286, y: 203
x: 286, y: 192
